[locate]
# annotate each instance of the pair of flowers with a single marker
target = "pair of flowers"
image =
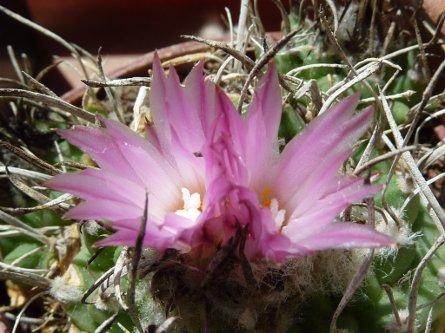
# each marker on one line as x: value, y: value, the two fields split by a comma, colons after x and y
x: 209, y: 172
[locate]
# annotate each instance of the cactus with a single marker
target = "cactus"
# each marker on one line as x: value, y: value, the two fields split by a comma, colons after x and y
x: 59, y: 277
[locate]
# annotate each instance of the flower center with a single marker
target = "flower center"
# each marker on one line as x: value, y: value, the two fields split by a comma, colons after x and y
x: 268, y: 201
x: 192, y: 205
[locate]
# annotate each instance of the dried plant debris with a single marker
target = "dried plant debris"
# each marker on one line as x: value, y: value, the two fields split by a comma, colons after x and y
x: 63, y: 275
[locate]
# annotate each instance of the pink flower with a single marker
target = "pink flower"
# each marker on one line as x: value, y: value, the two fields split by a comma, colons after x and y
x: 207, y: 172
x: 290, y: 201
x: 167, y: 166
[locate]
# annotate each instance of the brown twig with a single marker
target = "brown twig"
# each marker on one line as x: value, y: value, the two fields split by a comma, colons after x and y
x: 130, y: 82
x: 104, y: 277
x: 36, y: 85
x: 265, y: 58
x: 48, y: 101
x: 47, y: 204
x: 134, y: 268
x: 75, y: 165
x: 31, y: 159
x: 245, y: 60
x: 107, y: 323
x: 358, y: 276
x: 29, y: 279
x: 383, y: 157
x: 389, y: 36
x: 427, y: 93
x: 15, y: 63
x: 372, y: 29
x: 40, y: 75
x: 425, y: 68
x: 392, y: 301
x: 412, y: 301
x: 438, y: 30
x: 27, y: 190
x: 284, y: 16
x: 117, y: 108
x: 47, y: 33
x: 24, y: 228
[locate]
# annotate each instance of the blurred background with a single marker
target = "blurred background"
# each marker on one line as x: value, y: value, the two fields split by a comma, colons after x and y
x: 123, y: 28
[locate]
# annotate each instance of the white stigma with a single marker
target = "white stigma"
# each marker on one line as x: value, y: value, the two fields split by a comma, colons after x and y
x: 277, y: 214
x: 192, y: 205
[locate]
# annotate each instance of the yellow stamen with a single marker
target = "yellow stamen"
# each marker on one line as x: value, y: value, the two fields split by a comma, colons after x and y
x: 266, y: 191
x: 266, y: 197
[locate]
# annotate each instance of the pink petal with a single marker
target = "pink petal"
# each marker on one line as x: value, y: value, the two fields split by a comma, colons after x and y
x: 98, y: 184
x: 203, y: 98
x: 279, y: 248
x: 184, y: 230
x: 152, y: 137
x: 255, y: 138
x: 317, y: 185
x: 324, y: 211
x: 120, y: 238
x: 157, y: 105
x: 182, y: 112
x: 154, y: 237
x: 261, y: 153
x: 267, y: 242
x: 189, y: 111
x: 157, y: 236
x: 103, y: 209
x: 100, y: 146
x: 266, y: 103
x: 190, y: 166
x: 153, y: 169
x: 119, y: 150
x: 342, y: 235
x: 345, y: 235
x: 329, y: 135
x: 131, y: 224
x: 230, y: 124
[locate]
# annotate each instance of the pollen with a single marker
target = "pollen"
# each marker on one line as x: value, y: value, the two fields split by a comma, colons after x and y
x: 193, y: 205
x: 266, y: 191
x: 266, y: 197
x: 266, y: 202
